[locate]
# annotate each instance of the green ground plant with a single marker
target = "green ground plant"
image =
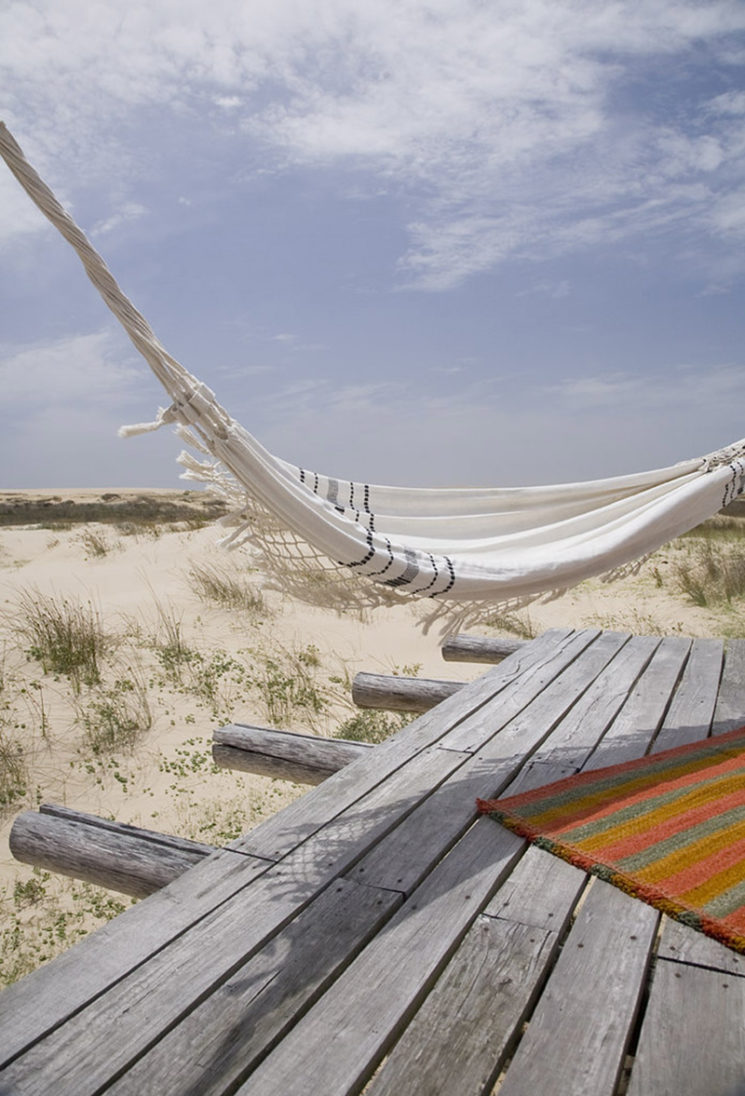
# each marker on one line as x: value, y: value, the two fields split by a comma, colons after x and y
x: 286, y: 682
x: 713, y: 572
x: 115, y: 716
x: 515, y: 624
x: 65, y: 635
x: 42, y: 916
x: 225, y: 586
x: 372, y: 726
x: 14, y: 776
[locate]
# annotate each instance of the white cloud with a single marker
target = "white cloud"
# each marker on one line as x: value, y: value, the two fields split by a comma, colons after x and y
x: 497, y: 435
x: 503, y: 120
x: 127, y: 214
x: 73, y: 370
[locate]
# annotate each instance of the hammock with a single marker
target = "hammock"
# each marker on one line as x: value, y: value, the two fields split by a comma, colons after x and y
x: 346, y: 543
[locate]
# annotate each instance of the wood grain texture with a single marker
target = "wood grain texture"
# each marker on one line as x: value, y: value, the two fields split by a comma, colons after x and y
x: 682, y: 944
x: 692, y: 1040
x: 402, y: 858
x: 465, y: 648
x: 142, y: 1004
x: 302, y: 758
x: 124, y: 858
x: 369, y: 1005
x: 507, y: 681
x: 401, y: 694
x: 541, y: 892
x: 577, y: 1038
x: 578, y: 734
x: 29, y: 1009
x: 643, y: 711
x: 468, y: 1023
x: 535, y: 675
x: 219, y: 1042
x: 729, y: 713
x: 691, y: 710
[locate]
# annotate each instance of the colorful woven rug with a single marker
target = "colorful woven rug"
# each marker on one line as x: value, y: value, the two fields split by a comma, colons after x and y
x: 668, y: 828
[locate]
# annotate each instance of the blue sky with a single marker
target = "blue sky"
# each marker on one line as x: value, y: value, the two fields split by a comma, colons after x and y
x: 413, y: 242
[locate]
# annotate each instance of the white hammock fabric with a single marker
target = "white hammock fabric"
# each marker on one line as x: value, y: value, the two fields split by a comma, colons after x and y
x: 463, y: 547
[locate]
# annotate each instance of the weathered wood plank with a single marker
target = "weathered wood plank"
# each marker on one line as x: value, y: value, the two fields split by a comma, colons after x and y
x: 638, y: 721
x: 402, y: 859
x: 75, y: 978
x: 555, y: 700
x: 577, y: 1038
x: 465, y: 1029
x: 369, y: 1004
x: 401, y: 694
x: 142, y: 1004
x: 47, y: 996
x: 285, y: 755
x: 577, y: 736
x: 516, y: 681
x: 693, y: 1037
x: 692, y: 707
x: 465, y: 648
x: 470, y: 1020
x: 216, y: 1045
x: 542, y: 891
x: 682, y: 944
x: 471, y: 733
x: 124, y: 858
x: 729, y: 713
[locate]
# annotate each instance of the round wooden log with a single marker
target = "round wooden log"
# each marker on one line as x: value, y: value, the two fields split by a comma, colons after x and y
x: 111, y: 854
x: 401, y: 694
x: 464, y: 648
x: 302, y: 758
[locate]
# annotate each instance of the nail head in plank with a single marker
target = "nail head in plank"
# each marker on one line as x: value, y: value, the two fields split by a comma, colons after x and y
x: 599, y: 976
x: 400, y: 860
x: 540, y: 891
x: 298, y: 821
x: 578, y: 734
x: 692, y: 1038
x: 458, y: 1040
x: 682, y: 944
x: 142, y: 1004
x: 472, y: 732
x: 52, y: 993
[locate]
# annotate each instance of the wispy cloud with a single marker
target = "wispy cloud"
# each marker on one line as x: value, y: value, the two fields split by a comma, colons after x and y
x: 82, y: 370
x: 517, y: 129
x: 494, y: 434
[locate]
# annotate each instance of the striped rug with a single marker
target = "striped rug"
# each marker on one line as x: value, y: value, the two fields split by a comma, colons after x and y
x: 668, y: 828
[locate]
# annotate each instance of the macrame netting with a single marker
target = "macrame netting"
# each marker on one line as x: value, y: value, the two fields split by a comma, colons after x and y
x: 355, y: 545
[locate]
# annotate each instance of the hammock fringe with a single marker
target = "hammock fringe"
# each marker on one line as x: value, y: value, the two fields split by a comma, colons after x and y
x: 464, y: 553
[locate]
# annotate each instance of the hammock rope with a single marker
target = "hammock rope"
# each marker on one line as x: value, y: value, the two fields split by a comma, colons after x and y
x: 356, y: 545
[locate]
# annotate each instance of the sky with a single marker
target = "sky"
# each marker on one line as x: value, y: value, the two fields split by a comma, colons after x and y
x: 427, y: 242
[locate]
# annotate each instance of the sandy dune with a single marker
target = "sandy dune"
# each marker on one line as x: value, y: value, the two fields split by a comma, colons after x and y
x: 176, y: 664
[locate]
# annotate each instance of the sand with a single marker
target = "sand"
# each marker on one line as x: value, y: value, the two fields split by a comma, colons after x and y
x: 178, y: 664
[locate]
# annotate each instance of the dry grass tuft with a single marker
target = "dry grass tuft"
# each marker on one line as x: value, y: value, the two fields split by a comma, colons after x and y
x: 64, y: 635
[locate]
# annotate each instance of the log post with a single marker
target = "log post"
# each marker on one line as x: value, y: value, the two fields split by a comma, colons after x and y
x: 465, y: 648
x: 111, y: 854
x: 302, y: 758
x: 401, y: 694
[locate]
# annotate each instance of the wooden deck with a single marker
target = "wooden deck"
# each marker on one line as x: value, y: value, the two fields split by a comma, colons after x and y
x: 376, y: 935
